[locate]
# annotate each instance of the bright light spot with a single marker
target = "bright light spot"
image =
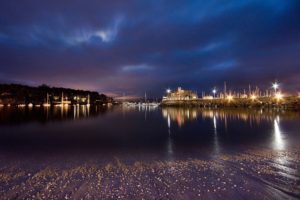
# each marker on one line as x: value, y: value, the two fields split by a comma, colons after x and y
x: 229, y: 97
x: 214, y: 91
x: 215, y: 122
x: 278, y: 96
x: 169, y: 121
x: 168, y: 91
x: 278, y: 140
x: 253, y: 97
x: 275, y: 85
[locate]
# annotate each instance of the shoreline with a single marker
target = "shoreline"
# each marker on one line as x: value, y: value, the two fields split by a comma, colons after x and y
x: 288, y: 103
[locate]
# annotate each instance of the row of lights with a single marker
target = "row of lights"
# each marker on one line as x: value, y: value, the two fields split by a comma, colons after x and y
x: 275, y: 86
x: 278, y: 95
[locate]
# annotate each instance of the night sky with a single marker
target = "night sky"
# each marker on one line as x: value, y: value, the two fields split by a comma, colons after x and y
x: 129, y: 47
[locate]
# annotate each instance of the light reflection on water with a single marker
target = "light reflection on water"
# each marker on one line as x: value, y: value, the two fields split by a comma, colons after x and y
x: 278, y: 138
x: 173, y: 125
x: 256, y: 120
x: 240, y: 147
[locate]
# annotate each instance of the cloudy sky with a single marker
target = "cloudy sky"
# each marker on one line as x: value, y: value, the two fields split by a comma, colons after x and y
x: 129, y: 47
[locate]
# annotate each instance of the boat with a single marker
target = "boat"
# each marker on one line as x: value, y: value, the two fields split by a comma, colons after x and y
x: 47, y: 104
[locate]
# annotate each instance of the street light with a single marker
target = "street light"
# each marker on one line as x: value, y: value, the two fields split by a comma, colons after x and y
x: 214, y: 91
x: 168, y: 91
x: 253, y: 97
x: 229, y: 97
x: 275, y: 86
x: 278, y: 96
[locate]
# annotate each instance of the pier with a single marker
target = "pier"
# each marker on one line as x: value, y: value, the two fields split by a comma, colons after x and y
x: 289, y: 102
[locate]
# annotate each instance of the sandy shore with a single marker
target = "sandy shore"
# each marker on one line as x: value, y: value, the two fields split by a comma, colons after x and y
x: 250, y: 175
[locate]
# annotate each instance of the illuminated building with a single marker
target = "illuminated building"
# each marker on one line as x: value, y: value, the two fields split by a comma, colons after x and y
x: 180, y: 94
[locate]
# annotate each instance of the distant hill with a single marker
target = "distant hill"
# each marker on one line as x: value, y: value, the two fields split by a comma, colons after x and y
x: 23, y: 94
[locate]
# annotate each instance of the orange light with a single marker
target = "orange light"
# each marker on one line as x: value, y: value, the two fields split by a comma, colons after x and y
x: 229, y: 97
x: 253, y: 97
x: 278, y: 96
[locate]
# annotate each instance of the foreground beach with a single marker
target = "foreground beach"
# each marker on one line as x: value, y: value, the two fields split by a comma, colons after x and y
x: 254, y: 174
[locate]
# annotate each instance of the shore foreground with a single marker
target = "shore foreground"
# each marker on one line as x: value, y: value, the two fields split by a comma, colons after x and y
x: 259, y: 174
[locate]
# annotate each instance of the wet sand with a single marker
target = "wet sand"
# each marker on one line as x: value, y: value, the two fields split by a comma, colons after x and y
x: 253, y: 174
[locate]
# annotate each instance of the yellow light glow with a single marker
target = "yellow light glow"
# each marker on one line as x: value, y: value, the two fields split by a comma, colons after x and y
x: 253, y: 97
x: 230, y: 97
x: 278, y: 96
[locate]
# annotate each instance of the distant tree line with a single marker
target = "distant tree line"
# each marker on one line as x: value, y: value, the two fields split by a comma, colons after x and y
x: 22, y: 94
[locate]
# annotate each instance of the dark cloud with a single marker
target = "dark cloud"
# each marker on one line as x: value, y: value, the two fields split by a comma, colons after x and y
x: 133, y: 46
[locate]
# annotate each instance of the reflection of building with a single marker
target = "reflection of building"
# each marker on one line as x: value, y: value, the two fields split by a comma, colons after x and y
x: 179, y: 115
x: 181, y: 94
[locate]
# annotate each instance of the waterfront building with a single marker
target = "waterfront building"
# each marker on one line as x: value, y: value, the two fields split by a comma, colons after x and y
x: 180, y: 94
x: 208, y: 97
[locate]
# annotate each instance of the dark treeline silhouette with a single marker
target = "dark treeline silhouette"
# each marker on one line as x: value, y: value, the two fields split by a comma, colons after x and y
x: 22, y: 94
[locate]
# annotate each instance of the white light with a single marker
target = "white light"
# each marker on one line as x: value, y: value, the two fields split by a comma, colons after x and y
x: 275, y: 85
x: 214, y: 91
x: 168, y: 90
x: 278, y: 138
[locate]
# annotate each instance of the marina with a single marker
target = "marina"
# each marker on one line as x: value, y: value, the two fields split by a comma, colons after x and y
x: 150, y: 100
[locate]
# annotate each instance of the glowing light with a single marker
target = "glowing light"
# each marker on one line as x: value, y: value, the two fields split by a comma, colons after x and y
x: 215, y: 122
x: 278, y: 138
x: 253, y: 97
x: 214, y: 91
x: 278, y: 96
x: 275, y: 85
x: 208, y: 97
x: 230, y: 97
x: 168, y: 91
x: 169, y: 121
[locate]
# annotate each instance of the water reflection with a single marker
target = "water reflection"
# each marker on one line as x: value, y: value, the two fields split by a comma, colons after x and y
x: 14, y: 115
x: 278, y: 138
x: 258, y: 127
x: 180, y: 116
x: 185, y: 146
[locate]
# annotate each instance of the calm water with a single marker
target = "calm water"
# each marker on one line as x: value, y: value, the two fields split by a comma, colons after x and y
x: 133, y: 153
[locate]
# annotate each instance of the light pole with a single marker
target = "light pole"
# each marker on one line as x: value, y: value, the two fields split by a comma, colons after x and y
x: 214, y: 91
x: 275, y: 87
